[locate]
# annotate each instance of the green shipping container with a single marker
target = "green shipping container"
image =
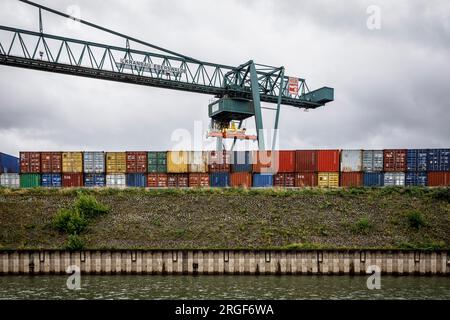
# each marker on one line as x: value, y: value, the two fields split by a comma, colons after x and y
x: 157, y: 162
x: 30, y: 180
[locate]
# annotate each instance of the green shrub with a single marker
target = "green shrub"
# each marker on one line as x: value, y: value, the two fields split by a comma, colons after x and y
x: 70, y: 221
x: 441, y: 194
x: 89, y: 207
x: 363, y: 226
x: 74, y: 242
x: 415, y: 219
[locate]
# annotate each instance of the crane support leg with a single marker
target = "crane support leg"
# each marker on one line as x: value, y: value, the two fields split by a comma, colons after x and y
x: 257, y: 106
x: 277, y: 116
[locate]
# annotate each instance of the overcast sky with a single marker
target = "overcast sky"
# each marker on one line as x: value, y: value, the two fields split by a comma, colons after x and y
x: 391, y: 84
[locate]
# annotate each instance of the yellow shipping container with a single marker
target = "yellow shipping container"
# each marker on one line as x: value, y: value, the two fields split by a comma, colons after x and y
x: 328, y: 179
x: 116, y: 162
x: 72, y: 162
x: 177, y: 162
x: 197, y: 162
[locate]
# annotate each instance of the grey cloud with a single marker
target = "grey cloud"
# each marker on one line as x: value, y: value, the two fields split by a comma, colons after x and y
x: 391, y: 84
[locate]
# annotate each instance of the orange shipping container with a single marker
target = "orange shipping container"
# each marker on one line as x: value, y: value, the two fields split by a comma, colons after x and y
x: 286, y: 161
x: 241, y: 179
x: 351, y: 179
x: 286, y: 180
x: 72, y: 180
x: 219, y: 161
x: 157, y: 180
x: 395, y: 160
x: 51, y: 162
x: 265, y: 162
x: 438, y: 179
x: 306, y: 161
x: 305, y: 179
x: 30, y: 162
x: 178, y: 180
x: 328, y: 160
x: 199, y: 180
x: 136, y: 162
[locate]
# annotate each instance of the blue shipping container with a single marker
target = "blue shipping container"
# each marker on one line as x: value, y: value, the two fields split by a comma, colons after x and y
x: 93, y: 180
x: 8, y: 164
x: 51, y: 180
x: 138, y: 180
x: 262, y: 180
x: 241, y: 161
x: 416, y: 160
x: 373, y: 179
x: 416, y: 179
x: 438, y: 160
x: 219, y: 179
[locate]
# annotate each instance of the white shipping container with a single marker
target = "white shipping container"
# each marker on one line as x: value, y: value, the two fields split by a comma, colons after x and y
x: 372, y: 160
x: 94, y: 162
x: 197, y: 162
x: 351, y: 160
x: 394, y: 179
x: 10, y: 180
x: 116, y: 181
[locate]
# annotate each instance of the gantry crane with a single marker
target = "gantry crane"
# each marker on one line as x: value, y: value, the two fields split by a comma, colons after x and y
x: 239, y: 90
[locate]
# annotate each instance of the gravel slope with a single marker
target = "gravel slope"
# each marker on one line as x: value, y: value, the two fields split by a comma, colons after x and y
x: 234, y: 218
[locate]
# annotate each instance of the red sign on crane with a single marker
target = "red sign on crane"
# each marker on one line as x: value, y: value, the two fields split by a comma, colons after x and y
x: 293, y: 86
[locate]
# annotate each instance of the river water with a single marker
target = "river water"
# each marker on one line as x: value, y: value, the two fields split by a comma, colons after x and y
x: 223, y: 287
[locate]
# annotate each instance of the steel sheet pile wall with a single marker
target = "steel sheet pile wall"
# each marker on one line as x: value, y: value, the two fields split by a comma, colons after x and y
x: 262, y: 169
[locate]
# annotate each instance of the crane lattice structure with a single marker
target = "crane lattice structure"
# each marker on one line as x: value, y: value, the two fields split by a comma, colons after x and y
x: 240, y: 90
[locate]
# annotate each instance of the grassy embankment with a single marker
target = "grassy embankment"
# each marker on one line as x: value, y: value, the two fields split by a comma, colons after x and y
x: 230, y: 218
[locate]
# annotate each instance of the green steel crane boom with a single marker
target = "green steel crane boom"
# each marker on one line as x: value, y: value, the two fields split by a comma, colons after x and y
x: 240, y: 89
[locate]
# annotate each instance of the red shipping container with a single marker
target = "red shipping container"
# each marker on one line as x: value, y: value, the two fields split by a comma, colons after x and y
x: 306, y: 161
x: 51, y: 162
x: 219, y: 161
x: 136, y: 162
x: 351, y: 179
x: 286, y: 161
x: 157, y: 180
x: 265, y: 162
x: 199, y: 180
x: 72, y: 180
x: 305, y: 179
x: 394, y: 160
x: 284, y: 180
x: 328, y: 160
x: 438, y: 179
x: 30, y: 162
x: 178, y: 180
x: 241, y: 179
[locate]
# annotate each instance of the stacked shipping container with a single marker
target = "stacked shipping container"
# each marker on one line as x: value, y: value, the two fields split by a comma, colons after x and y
x: 9, y: 169
x: 416, y: 167
x: 438, y: 167
x: 301, y: 168
x: 328, y: 168
x: 351, y: 168
x: 372, y: 166
x: 306, y: 168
